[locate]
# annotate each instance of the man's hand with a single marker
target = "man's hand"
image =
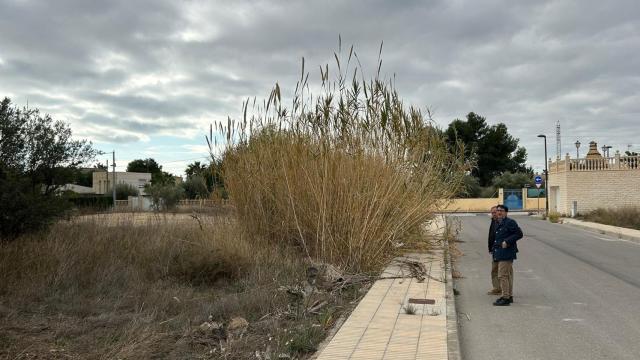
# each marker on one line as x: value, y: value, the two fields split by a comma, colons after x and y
x: 504, y: 245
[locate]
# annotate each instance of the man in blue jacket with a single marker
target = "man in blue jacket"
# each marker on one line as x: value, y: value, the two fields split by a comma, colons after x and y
x: 504, y: 252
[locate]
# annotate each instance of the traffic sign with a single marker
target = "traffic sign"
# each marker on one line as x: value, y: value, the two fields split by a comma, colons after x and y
x: 538, y: 179
x: 538, y: 185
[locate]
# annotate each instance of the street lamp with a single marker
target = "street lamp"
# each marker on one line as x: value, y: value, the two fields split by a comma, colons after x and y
x: 546, y: 173
x: 577, y: 147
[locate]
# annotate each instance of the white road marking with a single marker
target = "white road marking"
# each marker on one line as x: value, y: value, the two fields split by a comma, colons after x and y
x: 617, y: 240
x: 572, y: 320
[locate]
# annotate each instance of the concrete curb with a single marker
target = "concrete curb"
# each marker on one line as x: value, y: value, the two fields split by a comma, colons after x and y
x: 453, y: 340
x: 615, y: 231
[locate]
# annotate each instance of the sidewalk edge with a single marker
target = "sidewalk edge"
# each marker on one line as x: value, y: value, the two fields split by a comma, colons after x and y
x: 453, y: 341
x: 597, y: 228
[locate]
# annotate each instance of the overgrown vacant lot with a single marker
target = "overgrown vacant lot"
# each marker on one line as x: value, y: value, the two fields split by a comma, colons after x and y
x: 166, y: 287
x: 628, y: 217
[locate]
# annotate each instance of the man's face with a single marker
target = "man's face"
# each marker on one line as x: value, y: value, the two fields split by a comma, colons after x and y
x: 493, y: 213
x: 500, y: 214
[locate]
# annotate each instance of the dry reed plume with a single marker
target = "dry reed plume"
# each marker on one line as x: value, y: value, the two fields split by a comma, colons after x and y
x: 347, y: 175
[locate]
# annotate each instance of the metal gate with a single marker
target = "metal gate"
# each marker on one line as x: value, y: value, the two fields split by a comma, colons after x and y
x: 512, y: 198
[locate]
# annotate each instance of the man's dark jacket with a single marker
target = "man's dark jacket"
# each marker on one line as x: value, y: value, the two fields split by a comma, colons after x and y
x: 492, y: 234
x: 508, y: 231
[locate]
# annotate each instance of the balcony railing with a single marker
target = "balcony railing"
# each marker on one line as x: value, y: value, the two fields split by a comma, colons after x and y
x: 602, y: 164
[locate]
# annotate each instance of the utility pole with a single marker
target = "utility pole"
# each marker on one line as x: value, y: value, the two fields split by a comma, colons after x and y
x: 107, y: 177
x: 546, y: 173
x: 113, y: 175
x: 114, y: 178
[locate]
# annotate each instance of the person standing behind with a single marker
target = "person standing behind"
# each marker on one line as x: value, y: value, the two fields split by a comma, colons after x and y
x: 504, y: 252
x: 494, y: 264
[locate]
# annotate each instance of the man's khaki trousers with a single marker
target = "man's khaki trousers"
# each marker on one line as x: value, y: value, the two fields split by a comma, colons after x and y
x: 494, y: 275
x: 505, y: 277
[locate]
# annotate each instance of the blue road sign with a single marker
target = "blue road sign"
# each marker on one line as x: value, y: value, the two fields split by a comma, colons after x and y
x: 538, y: 179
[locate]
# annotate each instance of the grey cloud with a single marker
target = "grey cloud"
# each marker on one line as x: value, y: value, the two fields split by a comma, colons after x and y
x: 523, y: 63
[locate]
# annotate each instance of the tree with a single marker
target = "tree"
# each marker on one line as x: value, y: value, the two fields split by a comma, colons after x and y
x: 149, y: 165
x: 195, y: 169
x: 509, y: 180
x: 84, y: 176
x: 144, y: 166
x: 37, y: 156
x: 212, y: 175
x: 491, y: 148
x: 195, y: 187
x: 123, y: 191
x: 164, y: 197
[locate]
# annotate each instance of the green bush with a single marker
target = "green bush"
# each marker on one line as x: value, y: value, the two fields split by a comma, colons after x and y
x: 195, y: 187
x: 23, y: 210
x: 37, y: 156
x: 165, y: 197
x: 96, y: 202
x: 123, y: 191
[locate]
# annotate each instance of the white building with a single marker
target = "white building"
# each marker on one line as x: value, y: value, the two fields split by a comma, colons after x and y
x: 102, y: 181
x: 77, y: 189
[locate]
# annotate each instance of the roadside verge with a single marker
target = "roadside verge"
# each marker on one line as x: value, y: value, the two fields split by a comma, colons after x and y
x: 615, y: 231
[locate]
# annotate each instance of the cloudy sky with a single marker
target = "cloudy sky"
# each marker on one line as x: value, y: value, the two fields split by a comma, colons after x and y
x: 146, y: 78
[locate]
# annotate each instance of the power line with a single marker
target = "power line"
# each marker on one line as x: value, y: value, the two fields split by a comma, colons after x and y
x: 197, y: 158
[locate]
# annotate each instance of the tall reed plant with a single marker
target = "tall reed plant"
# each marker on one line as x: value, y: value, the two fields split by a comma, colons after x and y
x: 347, y: 175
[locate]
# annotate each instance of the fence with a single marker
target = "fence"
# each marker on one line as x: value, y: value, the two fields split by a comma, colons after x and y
x: 144, y: 204
x: 484, y: 204
x: 202, y: 202
x: 617, y: 162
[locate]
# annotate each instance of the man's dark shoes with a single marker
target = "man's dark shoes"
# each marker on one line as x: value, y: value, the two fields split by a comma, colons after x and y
x: 503, y: 301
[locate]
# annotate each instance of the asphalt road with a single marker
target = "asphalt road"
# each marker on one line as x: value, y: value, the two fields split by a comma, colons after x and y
x: 576, y: 292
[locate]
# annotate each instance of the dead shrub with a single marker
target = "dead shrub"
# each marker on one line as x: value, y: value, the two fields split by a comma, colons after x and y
x: 628, y: 217
x: 343, y: 176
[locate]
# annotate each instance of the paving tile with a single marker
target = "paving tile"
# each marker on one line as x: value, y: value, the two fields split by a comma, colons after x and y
x: 380, y: 328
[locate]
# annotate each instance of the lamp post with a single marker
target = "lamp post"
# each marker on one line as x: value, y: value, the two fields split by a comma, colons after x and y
x: 546, y: 173
x: 577, y: 147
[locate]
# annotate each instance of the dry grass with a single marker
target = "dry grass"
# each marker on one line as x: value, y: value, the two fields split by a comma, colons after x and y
x: 628, y: 217
x: 346, y: 176
x: 141, y: 289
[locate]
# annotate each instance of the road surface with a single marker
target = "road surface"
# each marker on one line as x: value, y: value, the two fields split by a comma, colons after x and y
x: 576, y: 292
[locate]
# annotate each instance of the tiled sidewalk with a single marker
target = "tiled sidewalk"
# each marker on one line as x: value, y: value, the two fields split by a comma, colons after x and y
x: 380, y: 326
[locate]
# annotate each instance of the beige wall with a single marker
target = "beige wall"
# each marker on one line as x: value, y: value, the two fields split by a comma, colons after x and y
x: 601, y: 189
x: 610, y: 186
x: 472, y: 205
x: 102, y: 184
x: 532, y: 204
x: 485, y: 204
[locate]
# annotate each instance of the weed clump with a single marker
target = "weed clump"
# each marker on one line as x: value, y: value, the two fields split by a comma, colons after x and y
x: 628, y: 217
x: 554, y: 217
x: 344, y: 175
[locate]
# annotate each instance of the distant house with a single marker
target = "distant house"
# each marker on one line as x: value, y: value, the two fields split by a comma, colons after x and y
x: 102, y: 181
x: 585, y: 184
